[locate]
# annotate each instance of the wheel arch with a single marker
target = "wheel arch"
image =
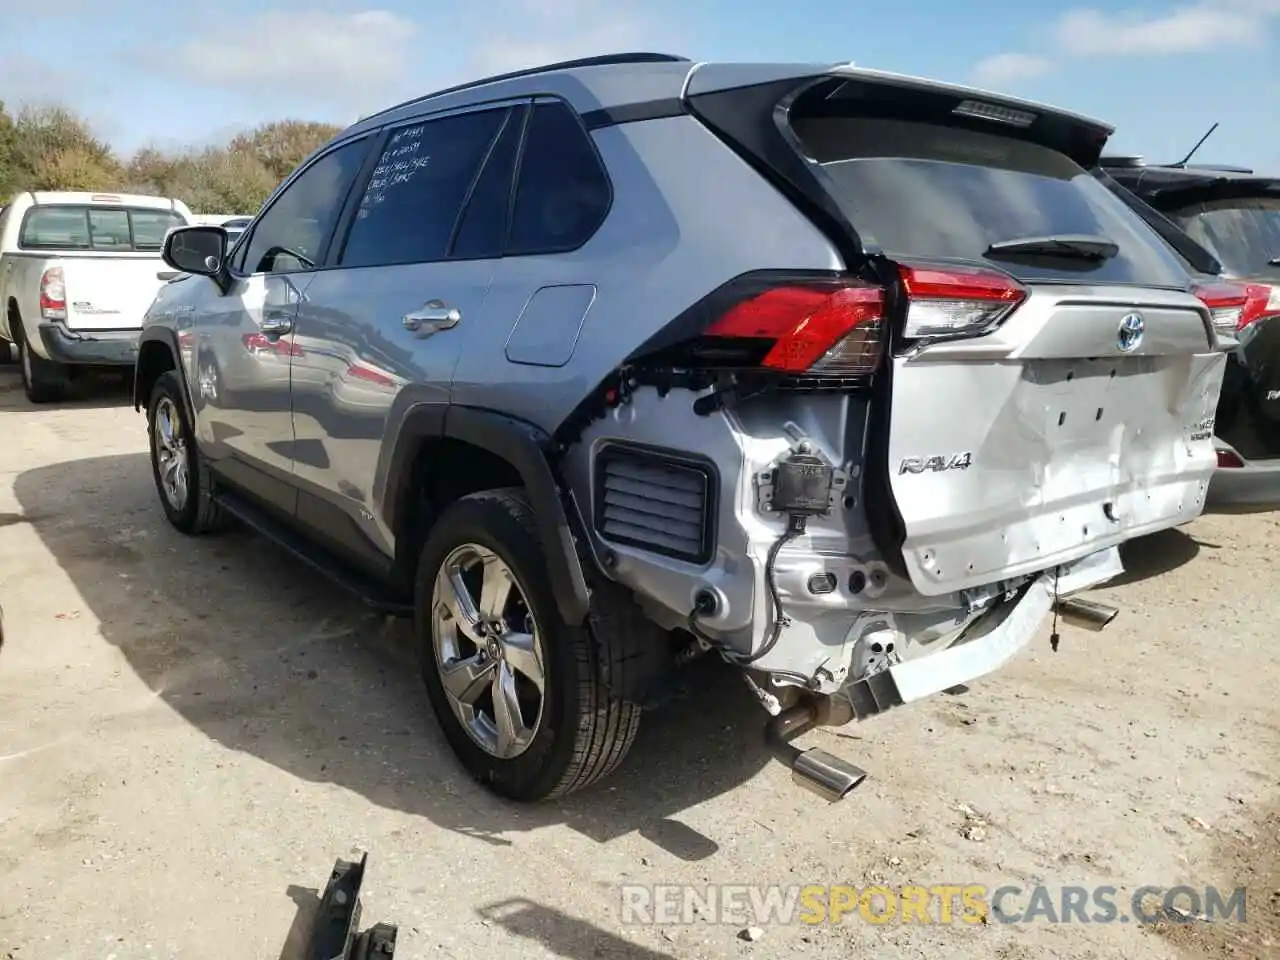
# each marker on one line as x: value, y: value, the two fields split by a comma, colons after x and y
x: 484, y: 450
x: 157, y: 354
x: 13, y: 319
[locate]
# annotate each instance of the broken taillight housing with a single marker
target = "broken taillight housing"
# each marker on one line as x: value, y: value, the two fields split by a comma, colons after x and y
x: 957, y: 301
x: 1234, y: 306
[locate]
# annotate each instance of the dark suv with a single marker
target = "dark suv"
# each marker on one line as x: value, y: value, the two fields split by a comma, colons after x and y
x: 1230, y: 215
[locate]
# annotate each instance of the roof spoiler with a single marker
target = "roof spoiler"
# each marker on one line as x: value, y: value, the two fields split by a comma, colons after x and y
x: 844, y: 86
x: 748, y: 107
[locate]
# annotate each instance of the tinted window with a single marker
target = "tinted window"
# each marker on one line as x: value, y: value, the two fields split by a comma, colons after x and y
x: 290, y: 236
x: 414, y: 196
x: 67, y: 227
x: 563, y: 193
x: 1243, y: 234
x: 483, y: 228
x: 925, y: 190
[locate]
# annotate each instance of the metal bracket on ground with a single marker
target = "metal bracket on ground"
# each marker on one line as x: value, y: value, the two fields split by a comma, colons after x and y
x: 335, y: 932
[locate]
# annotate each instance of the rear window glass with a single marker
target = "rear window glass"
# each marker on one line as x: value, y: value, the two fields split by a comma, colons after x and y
x: 96, y: 228
x: 925, y: 190
x: 1243, y: 234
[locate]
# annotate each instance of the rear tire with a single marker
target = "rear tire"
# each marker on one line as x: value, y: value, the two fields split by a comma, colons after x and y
x: 578, y: 732
x: 43, y: 381
x: 181, y: 478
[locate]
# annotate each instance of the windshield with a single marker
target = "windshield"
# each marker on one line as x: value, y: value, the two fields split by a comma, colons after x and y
x: 93, y: 227
x: 926, y: 190
x: 1243, y: 233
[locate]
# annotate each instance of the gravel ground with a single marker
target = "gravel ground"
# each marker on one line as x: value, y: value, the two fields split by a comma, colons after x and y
x: 191, y: 731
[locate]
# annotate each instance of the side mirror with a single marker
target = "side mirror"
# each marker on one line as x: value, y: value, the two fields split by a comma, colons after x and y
x: 198, y: 250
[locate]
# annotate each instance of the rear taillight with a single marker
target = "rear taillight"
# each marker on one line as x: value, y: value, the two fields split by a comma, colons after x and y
x: 1234, y: 306
x: 826, y: 332
x: 957, y: 301
x: 1229, y: 459
x: 831, y: 330
x: 53, y: 295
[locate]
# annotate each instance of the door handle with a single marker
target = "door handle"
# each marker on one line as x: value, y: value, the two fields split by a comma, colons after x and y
x: 434, y: 315
x: 276, y: 325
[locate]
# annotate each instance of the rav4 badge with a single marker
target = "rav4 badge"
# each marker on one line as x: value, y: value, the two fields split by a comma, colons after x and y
x: 937, y: 464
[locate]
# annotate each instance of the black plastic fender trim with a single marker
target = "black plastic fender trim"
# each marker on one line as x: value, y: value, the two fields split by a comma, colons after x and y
x: 169, y: 338
x: 526, y: 448
x: 414, y: 421
x: 521, y: 444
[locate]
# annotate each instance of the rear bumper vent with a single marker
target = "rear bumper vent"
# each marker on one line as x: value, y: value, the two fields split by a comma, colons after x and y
x: 657, y: 502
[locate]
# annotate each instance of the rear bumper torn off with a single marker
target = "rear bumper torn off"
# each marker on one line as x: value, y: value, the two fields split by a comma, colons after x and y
x: 116, y: 348
x: 986, y: 646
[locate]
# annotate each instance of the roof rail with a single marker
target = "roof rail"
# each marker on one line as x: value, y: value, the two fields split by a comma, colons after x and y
x: 1220, y: 168
x: 605, y: 60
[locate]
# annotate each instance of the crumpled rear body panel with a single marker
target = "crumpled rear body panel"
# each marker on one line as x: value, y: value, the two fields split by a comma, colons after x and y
x: 1044, y: 442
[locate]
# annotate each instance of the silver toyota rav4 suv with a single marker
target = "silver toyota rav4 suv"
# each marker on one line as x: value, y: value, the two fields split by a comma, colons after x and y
x: 847, y: 378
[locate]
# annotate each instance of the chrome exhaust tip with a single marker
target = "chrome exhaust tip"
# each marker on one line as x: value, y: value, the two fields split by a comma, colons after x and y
x: 826, y: 775
x: 1088, y: 614
x: 823, y: 773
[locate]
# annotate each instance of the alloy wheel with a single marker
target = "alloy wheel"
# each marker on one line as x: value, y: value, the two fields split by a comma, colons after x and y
x: 489, y: 651
x: 171, y: 453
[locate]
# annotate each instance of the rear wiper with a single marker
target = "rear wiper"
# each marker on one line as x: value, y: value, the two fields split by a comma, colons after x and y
x: 1077, y: 245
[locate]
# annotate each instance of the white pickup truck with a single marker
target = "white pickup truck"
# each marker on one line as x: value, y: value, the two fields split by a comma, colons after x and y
x: 77, y: 273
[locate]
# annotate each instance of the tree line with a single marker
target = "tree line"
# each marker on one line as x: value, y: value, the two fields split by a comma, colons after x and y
x: 53, y: 148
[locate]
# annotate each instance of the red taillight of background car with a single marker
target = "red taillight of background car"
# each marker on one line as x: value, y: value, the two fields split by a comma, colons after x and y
x: 53, y: 295
x: 1235, y: 305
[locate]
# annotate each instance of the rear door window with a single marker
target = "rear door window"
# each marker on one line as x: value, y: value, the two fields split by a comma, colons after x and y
x: 482, y: 229
x: 932, y: 191
x: 416, y: 193
x: 1243, y: 233
x: 563, y: 193
x: 109, y: 229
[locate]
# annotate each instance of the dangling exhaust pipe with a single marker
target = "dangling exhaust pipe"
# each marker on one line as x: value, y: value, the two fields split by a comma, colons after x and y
x: 825, y: 774
x: 1088, y: 614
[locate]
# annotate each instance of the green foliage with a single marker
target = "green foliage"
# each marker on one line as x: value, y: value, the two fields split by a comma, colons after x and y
x: 52, y: 148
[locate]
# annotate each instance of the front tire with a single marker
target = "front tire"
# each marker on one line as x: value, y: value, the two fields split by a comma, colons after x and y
x: 515, y: 689
x: 181, y: 479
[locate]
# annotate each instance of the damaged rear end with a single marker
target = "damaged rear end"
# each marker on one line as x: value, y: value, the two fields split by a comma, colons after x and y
x: 899, y: 467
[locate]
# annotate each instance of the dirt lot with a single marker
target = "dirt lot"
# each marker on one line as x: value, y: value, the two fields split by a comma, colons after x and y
x: 191, y: 732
